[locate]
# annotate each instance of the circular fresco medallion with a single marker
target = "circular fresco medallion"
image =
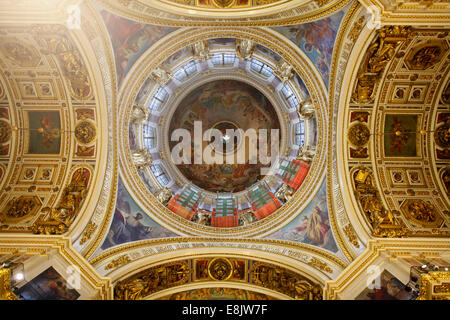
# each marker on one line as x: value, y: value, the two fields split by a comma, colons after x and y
x: 85, y: 132
x: 220, y: 116
x: 359, y: 135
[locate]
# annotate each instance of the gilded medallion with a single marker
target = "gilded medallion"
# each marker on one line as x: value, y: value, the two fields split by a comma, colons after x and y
x: 421, y: 212
x: 220, y: 269
x: 85, y: 132
x: 358, y: 134
x: 21, y: 207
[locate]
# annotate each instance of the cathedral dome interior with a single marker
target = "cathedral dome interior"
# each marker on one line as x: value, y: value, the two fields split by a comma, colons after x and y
x: 224, y: 150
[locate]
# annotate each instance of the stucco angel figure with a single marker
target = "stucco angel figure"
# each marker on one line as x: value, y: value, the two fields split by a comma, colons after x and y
x: 139, y: 114
x: 245, y: 48
x: 285, y: 193
x: 164, y: 195
x: 306, y: 153
x: 141, y: 158
x: 161, y: 76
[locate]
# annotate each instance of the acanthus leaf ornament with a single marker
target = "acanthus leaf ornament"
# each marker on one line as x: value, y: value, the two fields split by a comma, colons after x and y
x: 55, y: 40
x: 284, y: 281
x: 152, y: 280
x: 5, y: 285
x: 119, y: 262
x: 90, y: 229
x: 350, y: 233
x: 316, y: 263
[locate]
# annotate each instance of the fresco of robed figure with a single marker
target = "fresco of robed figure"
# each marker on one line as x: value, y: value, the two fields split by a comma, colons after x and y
x: 312, y: 225
x: 130, y: 223
x: 316, y: 39
x: 130, y: 40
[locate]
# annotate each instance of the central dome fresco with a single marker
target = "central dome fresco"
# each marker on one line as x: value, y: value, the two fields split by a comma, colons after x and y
x: 225, y: 105
x: 223, y: 134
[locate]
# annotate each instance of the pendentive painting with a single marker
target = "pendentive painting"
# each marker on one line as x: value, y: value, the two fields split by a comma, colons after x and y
x: 388, y: 287
x: 130, y: 223
x: 400, y: 137
x: 312, y: 225
x: 49, y: 285
x: 130, y: 40
x: 44, y: 133
x: 316, y: 39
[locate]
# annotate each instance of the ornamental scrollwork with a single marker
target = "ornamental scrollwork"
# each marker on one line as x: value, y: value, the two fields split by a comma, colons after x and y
x: 383, y: 222
x: 152, y: 280
x: 119, y: 262
x: 378, y: 55
x: 284, y: 281
x: 5, y: 131
x: 435, y: 285
x: 55, y: 40
x: 57, y: 220
x: 218, y: 269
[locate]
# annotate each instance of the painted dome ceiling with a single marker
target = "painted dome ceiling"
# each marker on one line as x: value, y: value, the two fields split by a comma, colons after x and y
x: 224, y: 105
x: 227, y: 84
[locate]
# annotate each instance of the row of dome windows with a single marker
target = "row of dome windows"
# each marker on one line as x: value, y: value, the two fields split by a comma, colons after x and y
x: 189, y: 69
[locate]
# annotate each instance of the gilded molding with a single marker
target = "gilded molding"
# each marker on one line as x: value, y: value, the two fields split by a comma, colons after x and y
x: 335, y: 216
x: 435, y: 286
x: 253, y: 244
x: 5, y: 286
x: 119, y: 262
x: 149, y: 14
x: 102, y: 216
